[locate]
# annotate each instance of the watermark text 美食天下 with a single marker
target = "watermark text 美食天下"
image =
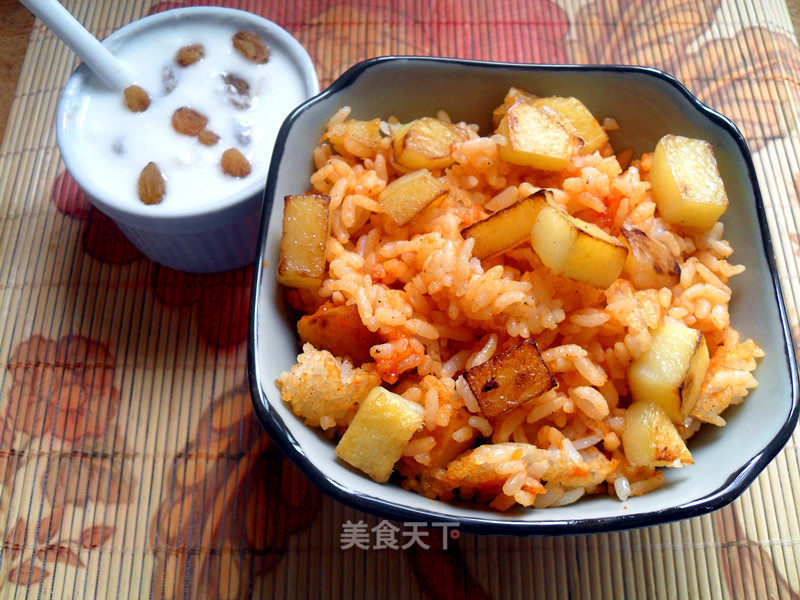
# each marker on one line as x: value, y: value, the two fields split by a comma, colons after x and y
x: 388, y: 536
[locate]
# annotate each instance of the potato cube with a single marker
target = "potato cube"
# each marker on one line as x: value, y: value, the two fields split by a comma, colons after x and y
x: 340, y: 331
x: 512, y: 96
x: 510, y: 379
x: 671, y: 372
x: 650, y: 264
x: 576, y: 249
x: 407, y: 196
x: 359, y: 138
x: 506, y: 228
x: 378, y: 434
x: 577, y: 119
x: 305, y: 235
x: 650, y: 439
x: 687, y: 186
x: 426, y: 143
x: 535, y: 138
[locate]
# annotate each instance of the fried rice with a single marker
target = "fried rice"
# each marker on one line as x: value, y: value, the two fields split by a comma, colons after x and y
x: 439, y: 311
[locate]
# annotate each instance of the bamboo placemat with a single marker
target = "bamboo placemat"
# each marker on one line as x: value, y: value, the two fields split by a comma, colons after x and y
x: 130, y: 461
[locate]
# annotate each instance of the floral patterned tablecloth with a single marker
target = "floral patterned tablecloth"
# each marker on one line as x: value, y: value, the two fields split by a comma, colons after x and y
x: 131, y: 464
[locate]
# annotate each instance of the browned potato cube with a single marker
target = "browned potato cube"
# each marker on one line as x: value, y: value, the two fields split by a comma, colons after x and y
x: 506, y: 228
x: 512, y: 96
x: 650, y: 439
x: 649, y: 263
x: 407, y: 196
x: 340, y: 331
x: 576, y: 118
x: 510, y: 379
x: 577, y: 249
x: 305, y: 235
x: 380, y: 431
x: 671, y: 371
x: 535, y: 138
x: 426, y: 143
x: 359, y: 138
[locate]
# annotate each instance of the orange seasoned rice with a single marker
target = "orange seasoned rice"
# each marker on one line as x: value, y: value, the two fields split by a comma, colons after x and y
x: 439, y: 311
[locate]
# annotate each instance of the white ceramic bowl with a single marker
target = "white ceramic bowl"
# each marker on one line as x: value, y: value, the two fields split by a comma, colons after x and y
x: 647, y: 103
x: 221, y: 233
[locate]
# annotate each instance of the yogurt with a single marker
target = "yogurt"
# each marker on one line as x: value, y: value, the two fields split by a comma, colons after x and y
x: 245, y: 103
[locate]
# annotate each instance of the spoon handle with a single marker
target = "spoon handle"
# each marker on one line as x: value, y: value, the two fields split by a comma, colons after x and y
x: 82, y: 43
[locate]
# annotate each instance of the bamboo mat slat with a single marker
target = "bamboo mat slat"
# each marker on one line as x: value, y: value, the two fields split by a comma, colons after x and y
x: 131, y: 464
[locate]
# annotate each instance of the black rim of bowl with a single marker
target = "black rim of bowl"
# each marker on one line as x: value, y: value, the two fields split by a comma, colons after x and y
x: 736, y: 483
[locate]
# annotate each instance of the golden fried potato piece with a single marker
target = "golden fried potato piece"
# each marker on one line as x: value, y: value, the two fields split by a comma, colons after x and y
x: 427, y: 143
x: 649, y: 264
x: 510, y: 379
x: 651, y: 439
x: 305, y: 235
x: 577, y: 249
x: 359, y: 138
x: 380, y: 431
x: 671, y: 372
x: 512, y: 96
x: 407, y: 196
x: 339, y: 330
x: 575, y: 117
x: 506, y: 228
x: 536, y: 138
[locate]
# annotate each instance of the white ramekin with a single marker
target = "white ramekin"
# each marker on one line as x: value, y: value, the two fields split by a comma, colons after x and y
x: 219, y: 235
